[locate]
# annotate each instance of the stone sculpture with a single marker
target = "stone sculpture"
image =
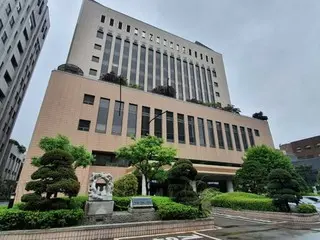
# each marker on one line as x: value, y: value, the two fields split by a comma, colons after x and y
x: 95, y: 193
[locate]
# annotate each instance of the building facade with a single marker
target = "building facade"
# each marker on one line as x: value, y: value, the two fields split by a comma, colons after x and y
x: 303, y: 148
x: 91, y: 112
x: 23, y: 28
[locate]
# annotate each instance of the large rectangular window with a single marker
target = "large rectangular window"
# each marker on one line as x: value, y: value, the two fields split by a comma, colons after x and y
x: 180, y: 87
x: 150, y: 70
x: 205, y: 86
x: 200, y: 98
x: 116, y: 56
x: 134, y: 61
x: 158, y: 123
x: 202, y: 136
x: 132, y: 120
x: 193, y: 82
x: 125, y: 59
x: 186, y: 79
x: 211, y: 134
x: 108, y: 159
x: 142, y: 66
x: 181, y: 132
x: 117, y: 118
x: 191, y: 128
x: 172, y: 72
x: 102, y: 118
x: 106, y: 55
x: 165, y: 69
x: 170, y: 129
x: 251, y: 138
x: 211, y: 98
x: 145, y: 121
x: 220, y: 135
x: 236, y: 137
x: 228, y: 136
x: 158, y: 68
x: 244, y: 138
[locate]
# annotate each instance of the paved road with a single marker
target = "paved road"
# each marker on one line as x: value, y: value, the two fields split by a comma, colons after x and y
x: 242, y: 229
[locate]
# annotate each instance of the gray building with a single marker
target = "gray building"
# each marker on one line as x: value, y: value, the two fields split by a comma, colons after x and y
x: 12, y: 163
x: 23, y: 28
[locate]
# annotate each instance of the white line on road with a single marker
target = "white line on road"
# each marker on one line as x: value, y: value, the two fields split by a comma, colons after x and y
x: 206, y: 236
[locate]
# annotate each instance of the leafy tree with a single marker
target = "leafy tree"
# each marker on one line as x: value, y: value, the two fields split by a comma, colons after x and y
x: 82, y: 158
x: 112, y: 77
x: 308, y: 174
x: 126, y: 186
x: 260, y: 116
x: 54, y: 175
x: 147, y: 155
x: 7, y: 187
x: 232, y: 108
x: 283, y: 188
x: 168, y: 91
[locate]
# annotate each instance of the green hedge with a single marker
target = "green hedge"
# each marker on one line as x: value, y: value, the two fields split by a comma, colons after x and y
x: 13, y: 219
x: 121, y: 203
x: 240, y: 200
x: 306, y: 208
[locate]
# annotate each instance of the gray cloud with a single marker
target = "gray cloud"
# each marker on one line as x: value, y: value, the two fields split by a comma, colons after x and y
x: 270, y: 48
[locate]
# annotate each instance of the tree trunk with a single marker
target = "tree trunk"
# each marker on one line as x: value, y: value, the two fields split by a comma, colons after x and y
x: 143, y: 186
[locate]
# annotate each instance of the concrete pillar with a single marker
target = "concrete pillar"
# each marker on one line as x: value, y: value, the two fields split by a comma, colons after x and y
x: 229, y: 185
x: 143, y: 186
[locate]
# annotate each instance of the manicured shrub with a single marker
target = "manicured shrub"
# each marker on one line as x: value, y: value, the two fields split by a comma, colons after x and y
x: 243, y: 201
x: 13, y: 219
x: 121, y: 203
x: 126, y: 186
x: 306, y: 208
x: 78, y: 202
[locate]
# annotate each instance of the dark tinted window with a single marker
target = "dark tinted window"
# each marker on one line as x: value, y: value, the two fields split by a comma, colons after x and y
x: 211, y: 133
x: 236, y: 137
x: 106, y: 55
x: 117, y: 118
x: 181, y: 132
x: 88, y: 99
x: 132, y: 120
x: 84, y: 125
x: 145, y: 121
x: 170, y: 129
x: 158, y: 123
x: 102, y: 118
x: 251, y: 138
x: 103, y: 18
x: 244, y: 138
x: 228, y: 136
x: 220, y: 135
x: 202, y: 137
x: 191, y: 128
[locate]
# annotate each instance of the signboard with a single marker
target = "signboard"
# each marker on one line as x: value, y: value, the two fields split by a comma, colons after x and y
x: 141, y: 202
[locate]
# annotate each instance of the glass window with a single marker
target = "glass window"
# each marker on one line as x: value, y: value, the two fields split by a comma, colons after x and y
x: 216, y: 84
x: 204, y: 78
x: 171, y: 44
x: 103, y: 18
x: 244, y: 138
x: 136, y: 31
x: 217, y: 94
x: 191, y: 128
x: 212, y: 60
x: 165, y: 68
x: 88, y: 99
x: 170, y: 129
x: 251, y: 138
x: 158, y: 40
x: 228, y: 136
x: 201, y: 56
x: 84, y: 125
x: 220, y: 135
x: 177, y: 47
x: 236, y: 137
x: 164, y: 42
x: 25, y: 34
x: 257, y: 133
x: 7, y: 78
x: 211, y: 98
x: 172, y: 72
x: 193, y: 81
x: 116, y: 56
x: 100, y: 34
x: 132, y: 120
x: 211, y: 134
x: 195, y: 54
x: 202, y: 136
x: 102, y: 118
x: 134, y: 62
x: 93, y: 72
x: 145, y: 121
x: 186, y: 79
x: 95, y: 59
x: 117, y: 118
x: 200, y: 91
x: 120, y: 25
x: 14, y: 62
x: 214, y: 73
x: 181, y: 132
x: 108, y: 159
x: 158, y: 68
x: 207, y: 58
x: 151, y: 37
x: 106, y: 55
x: 97, y: 46
x: 111, y: 22
x: 190, y: 52
x: 125, y: 58
x: 158, y: 123
x: 128, y: 28
x: 184, y: 49
x: 180, y: 87
x: 143, y: 34
x: 150, y: 69
x: 142, y: 66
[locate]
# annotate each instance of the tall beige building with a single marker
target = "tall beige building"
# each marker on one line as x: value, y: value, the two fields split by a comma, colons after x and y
x: 90, y: 112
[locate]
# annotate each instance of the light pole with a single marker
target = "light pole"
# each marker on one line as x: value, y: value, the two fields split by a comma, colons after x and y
x: 157, y: 116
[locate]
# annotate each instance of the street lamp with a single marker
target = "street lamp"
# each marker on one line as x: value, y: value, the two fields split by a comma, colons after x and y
x: 157, y: 116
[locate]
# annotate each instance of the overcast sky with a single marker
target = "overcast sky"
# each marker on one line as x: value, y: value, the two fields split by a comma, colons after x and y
x: 270, y: 48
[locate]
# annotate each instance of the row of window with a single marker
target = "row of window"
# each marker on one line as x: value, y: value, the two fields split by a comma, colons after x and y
x: 201, y: 79
x: 307, y: 147
x: 153, y: 38
x: 203, y: 126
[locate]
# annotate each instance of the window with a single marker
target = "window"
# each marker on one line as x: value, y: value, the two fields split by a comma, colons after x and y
x: 158, y: 68
x: 150, y: 70
x: 134, y: 58
x: 298, y: 149
x: 102, y: 118
x: 136, y: 31
x: 184, y: 49
x: 100, y: 34
x: 195, y: 54
x: 181, y: 132
x: 111, y: 22
x: 192, y: 81
x: 19, y: 7
x: 93, y: 72
x: 307, y: 147
x: 202, y: 136
x: 171, y: 44
x: 125, y: 58
x: 236, y: 137
x: 165, y: 68
x: 145, y: 121
x: 201, y: 56
x: 4, y: 37
x: 106, y: 54
x: 228, y: 136
x: 172, y: 72
x: 207, y: 59
x: 117, y: 118
x: 84, y: 125
x: 132, y: 120
x: 158, y: 40
x: 142, y: 66
x: 7, y: 77
x: 32, y: 21
x: 158, y: 123
x: 14, y: 62
x: 164, y: 42
x: 318, y: 145
x: 11, y: 22
x: 108, y: 159
x: 212, y: 60
x: 20, y: 49
x: 1, y: 25
x: 217, y: 94
x: 251, y: 138
x: 190, y: 52
x: 143, y: 34
x: 205, y: 85
x: 97, y: 46
x: 120, y: 25
x: 186, y: 79
x: 8, y: 9
x: 151, y: 37
x: 192, y: 135
x: 257, y: 133
x: 103, y: 18
x: 170, y: 129
x: 128, y: 28
x: 211, y: 134
x: 214, y: 73
x: 88, y: 99
x: 220, y: 135
x: 200, y: 90
x: 180, y: 87
x: 177, y: 47
x: 216, y: 84
x: 95, y: 59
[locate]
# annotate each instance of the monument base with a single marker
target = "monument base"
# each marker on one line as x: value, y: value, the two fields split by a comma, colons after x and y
x: 99, y: 207
x: 140, y: 210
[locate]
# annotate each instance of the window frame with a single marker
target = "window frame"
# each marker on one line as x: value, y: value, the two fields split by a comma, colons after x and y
x: 86, y: 101
x: 84, y: 129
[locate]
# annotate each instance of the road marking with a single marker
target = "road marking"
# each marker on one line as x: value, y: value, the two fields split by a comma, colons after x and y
x: 206, y: 236
x: 246, y: 219
x: 153, y: 235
